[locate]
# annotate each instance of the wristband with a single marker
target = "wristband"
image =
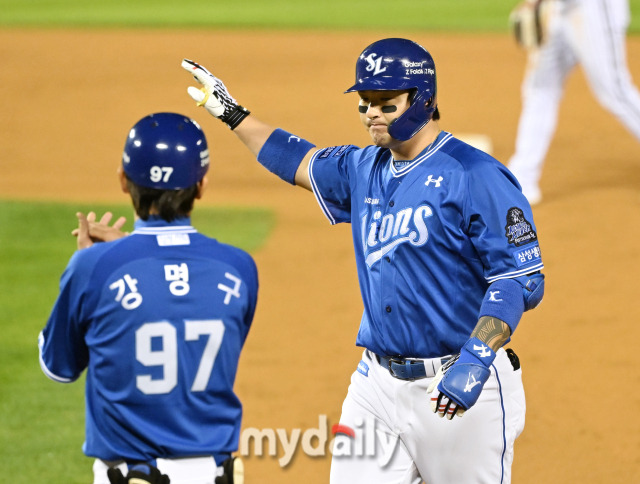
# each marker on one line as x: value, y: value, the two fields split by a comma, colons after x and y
x: 282, y: 154
x: 504, y: 300
x: 235, y: 117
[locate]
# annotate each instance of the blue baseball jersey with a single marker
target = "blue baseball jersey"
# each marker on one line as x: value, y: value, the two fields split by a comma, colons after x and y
x: 430, y: 235
x: 158, y: 319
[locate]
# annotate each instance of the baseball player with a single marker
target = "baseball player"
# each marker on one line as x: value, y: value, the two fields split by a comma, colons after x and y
x: 586, y: 32
x: 448, y: 260
x: 158, y: 319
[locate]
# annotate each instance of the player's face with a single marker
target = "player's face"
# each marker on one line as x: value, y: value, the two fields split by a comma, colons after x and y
x: 377, y: 110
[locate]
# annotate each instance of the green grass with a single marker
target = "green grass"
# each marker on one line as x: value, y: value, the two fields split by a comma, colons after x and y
x: 42, y: 422
x: 466, y: 15
x: 448, y: 15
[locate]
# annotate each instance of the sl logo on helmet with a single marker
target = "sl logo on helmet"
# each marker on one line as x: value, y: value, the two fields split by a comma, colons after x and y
x: 374, y: 64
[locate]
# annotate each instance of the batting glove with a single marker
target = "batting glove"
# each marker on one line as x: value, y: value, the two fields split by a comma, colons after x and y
x: 214, y: 96
x: 458, y: 383
x: 138, y: 474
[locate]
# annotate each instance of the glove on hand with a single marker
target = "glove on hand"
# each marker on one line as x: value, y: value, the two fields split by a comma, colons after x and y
x: 138, y: 474
x: 233, y: 471
x: 458, y: 383
x: 214, y: 96
x: 529, y: 22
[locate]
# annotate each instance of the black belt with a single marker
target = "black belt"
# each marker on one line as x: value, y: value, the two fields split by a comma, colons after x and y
x: 406, y: 369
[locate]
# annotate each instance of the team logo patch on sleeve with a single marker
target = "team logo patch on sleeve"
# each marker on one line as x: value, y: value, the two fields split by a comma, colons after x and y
x: 518, y: 229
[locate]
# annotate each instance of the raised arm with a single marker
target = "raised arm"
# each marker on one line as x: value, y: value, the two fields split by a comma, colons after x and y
x: 280, y: 152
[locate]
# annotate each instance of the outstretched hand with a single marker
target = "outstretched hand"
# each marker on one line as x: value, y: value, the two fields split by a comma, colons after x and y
x: 89, y: 231
x: 214, y: 95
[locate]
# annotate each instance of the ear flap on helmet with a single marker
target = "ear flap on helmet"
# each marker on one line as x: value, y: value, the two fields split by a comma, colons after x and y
x: 405, y: 126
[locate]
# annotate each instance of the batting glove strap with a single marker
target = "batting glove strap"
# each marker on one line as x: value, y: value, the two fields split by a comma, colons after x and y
x: 234, y: 116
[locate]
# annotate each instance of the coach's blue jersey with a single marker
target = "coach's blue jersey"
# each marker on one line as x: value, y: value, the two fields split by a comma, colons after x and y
x: 158, y: 319
x: 429, y: 238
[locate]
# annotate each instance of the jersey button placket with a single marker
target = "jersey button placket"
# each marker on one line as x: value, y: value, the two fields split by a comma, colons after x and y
x: 386, y: 279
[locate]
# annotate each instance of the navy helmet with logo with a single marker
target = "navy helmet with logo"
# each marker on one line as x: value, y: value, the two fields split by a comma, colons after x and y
x: 167, y: 151
x: 400, y: 64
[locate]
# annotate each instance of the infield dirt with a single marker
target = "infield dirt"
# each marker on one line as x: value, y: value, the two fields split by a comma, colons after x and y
x: 68, y: 98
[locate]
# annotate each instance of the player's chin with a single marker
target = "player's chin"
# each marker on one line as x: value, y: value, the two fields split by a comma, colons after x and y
x: 380, y: 136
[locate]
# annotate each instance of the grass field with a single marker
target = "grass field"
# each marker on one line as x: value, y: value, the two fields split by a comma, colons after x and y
x: 457, y: 15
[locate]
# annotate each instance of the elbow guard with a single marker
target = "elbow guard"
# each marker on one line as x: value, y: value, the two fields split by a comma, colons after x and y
x: 532, y: 289
x: 508, y: 299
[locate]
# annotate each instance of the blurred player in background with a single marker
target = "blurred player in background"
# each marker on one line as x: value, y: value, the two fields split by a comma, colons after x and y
x: 566, y: 33
x: 448, y: 260
x: 158, y: 319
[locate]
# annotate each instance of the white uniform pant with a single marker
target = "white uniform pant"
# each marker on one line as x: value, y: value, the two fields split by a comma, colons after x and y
x: 196, y: 470
x: 398, y: 439
x: 591, y: 33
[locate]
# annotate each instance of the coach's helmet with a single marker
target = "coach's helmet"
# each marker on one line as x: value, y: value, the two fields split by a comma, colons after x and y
x: 394, y: 65
x: 167, y: 151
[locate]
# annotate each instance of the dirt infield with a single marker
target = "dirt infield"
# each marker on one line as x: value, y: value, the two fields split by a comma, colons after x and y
x: 69, y: 96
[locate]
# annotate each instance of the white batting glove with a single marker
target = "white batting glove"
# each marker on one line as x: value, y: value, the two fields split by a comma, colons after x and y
x: 214, y: 96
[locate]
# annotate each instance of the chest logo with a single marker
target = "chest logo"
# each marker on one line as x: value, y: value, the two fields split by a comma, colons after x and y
x: 435, y: 181
x: 381, y: 233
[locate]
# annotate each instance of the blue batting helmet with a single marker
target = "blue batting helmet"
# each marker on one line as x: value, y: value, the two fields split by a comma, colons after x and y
x: 167, y: 151
x: 395, y: 65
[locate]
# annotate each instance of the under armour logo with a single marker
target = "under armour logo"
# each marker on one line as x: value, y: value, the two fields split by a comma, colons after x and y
x: 374, y: 64
x: 436, y: 181
x: 492, y: 296
x: 483, y: 351
x: 293, y: 136
x: 471, y: 382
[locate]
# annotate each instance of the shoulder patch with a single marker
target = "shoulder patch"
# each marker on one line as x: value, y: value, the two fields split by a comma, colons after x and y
x: 518, y: 229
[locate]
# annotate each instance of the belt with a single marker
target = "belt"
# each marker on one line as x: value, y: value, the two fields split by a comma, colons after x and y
x: 217, y: 458
x: 410, y: 369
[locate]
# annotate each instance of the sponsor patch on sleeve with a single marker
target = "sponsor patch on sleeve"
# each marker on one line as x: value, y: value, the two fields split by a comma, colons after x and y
x: 326, y: 152
x: 527, y: 256
x: 363, y: 368
x: 333, y: 151
x: 518, y: 229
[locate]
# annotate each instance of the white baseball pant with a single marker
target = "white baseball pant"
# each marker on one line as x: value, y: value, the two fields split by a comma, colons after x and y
x: 398, y: 439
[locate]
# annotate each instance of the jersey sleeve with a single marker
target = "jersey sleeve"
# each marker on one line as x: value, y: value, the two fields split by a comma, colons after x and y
x: 500, y: 223
x: 329, y: 175
x: 63, y: 352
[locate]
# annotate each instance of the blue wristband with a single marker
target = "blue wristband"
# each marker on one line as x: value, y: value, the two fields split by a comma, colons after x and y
x: 504, y: 300
x: 282, y: 154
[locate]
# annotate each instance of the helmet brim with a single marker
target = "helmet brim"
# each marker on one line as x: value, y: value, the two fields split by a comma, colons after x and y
x: 382, y: 83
